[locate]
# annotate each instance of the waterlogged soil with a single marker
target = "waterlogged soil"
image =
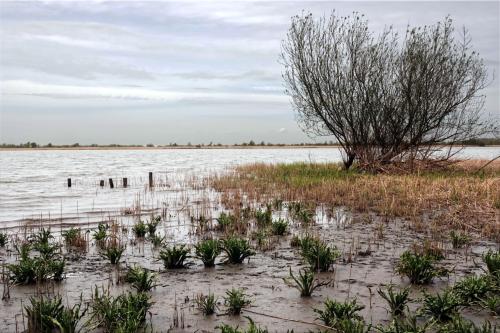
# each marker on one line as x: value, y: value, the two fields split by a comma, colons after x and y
x: 370, y: 249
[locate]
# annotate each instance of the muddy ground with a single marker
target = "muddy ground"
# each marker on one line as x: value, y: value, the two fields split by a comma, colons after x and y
x: 261, y: 276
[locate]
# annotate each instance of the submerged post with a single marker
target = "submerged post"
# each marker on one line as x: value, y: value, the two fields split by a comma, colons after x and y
x: 101, y: 183
x: 125, y: 182
x: 111, y: 183
x: 69, y: 182
x: 150, y: 179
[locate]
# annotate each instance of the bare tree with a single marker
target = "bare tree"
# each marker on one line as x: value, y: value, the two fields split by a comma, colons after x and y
x: 384, y: 98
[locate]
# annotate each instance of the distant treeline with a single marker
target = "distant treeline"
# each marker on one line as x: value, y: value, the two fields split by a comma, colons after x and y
x: 481, y: 142
x: 251, y: 143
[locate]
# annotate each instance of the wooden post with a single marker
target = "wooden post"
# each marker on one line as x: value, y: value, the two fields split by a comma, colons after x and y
x: 150, y: 179
x: 101, y: 183
x: 69, y: 182
x: 111, y: 183
x: 125, y: 182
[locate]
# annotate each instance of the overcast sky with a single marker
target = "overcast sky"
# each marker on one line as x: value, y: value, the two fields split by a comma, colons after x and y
x: 164, y: 72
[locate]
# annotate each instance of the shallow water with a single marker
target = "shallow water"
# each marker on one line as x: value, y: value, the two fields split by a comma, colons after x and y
x: 33, y: 183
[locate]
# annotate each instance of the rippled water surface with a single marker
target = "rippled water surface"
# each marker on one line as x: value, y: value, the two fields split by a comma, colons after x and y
x: 33, y: 183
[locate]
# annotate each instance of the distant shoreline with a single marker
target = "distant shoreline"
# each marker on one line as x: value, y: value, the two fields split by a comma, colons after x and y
x: 185, y: 147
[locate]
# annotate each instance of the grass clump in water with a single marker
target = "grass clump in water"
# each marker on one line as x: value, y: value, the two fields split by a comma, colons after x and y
x: 101, y: 233
x: 305, y: 282
x: 317, y: 254
x: 236, y: 300
x: 207, y: 251
x: 252, y: 328
x: 237, y: 249
x: 397, y: 300
x: 113, y: 252
x: 125, y: 313
x: 460, y: 325
x: 141, y: 279
x: 50, y: 315
x: 207, y: 304
x: 473, y: 289
x: 492, y: 261
x: 140, y: 229
x: 442, y: 307
x: 174, y: 256
x: 459, y: 239
x: 336, y: 312
x: 3, y: 239
x: 420, y: 269
x: 279, y: 227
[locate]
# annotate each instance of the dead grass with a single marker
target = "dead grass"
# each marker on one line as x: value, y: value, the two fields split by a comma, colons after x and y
x: 460, y: 196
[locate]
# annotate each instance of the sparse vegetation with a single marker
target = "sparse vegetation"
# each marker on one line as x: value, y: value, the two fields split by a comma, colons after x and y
x: 317, y: 254
x: 279, y: 227
x: 3, y: 239
x: 113, y: 252
x: 459, y: 239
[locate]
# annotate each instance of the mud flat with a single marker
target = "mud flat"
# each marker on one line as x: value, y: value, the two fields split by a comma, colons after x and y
x: 368, y: 220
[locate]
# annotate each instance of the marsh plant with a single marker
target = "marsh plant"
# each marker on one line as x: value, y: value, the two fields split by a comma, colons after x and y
x: 420, y: 269
x: 305, y: 282
x: 442, y: 307
x: 492, y: 261
x: 100, y: 234
x: 140, y: 229
x: 225, y: 221
x: 252, y: 328
x: 317, y: 254
x: 279, y: 227
x: 459, y: 239
x: 47, y: 315
x: 31, y: 268
x: 491, y: 303
x: 207, y: 251
x: 3, y: 239
x: 73, y: 238
x: 141, y: 279
x: 235, y: 301
x: 406, y: 324
x: 125, y: 313
x: 472, y: 289
x: 237, y: 249
x: 335, y: 312
x: 113, y: 252
x: 264, y: 217
x: 157, y: 240
x: 174, y: 256
x: 152, y: 225
x: 397, y: 300
x: 207, y: 304
x: 460, y: 325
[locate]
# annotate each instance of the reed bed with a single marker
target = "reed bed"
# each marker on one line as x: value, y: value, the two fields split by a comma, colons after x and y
x: 463, y: 196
